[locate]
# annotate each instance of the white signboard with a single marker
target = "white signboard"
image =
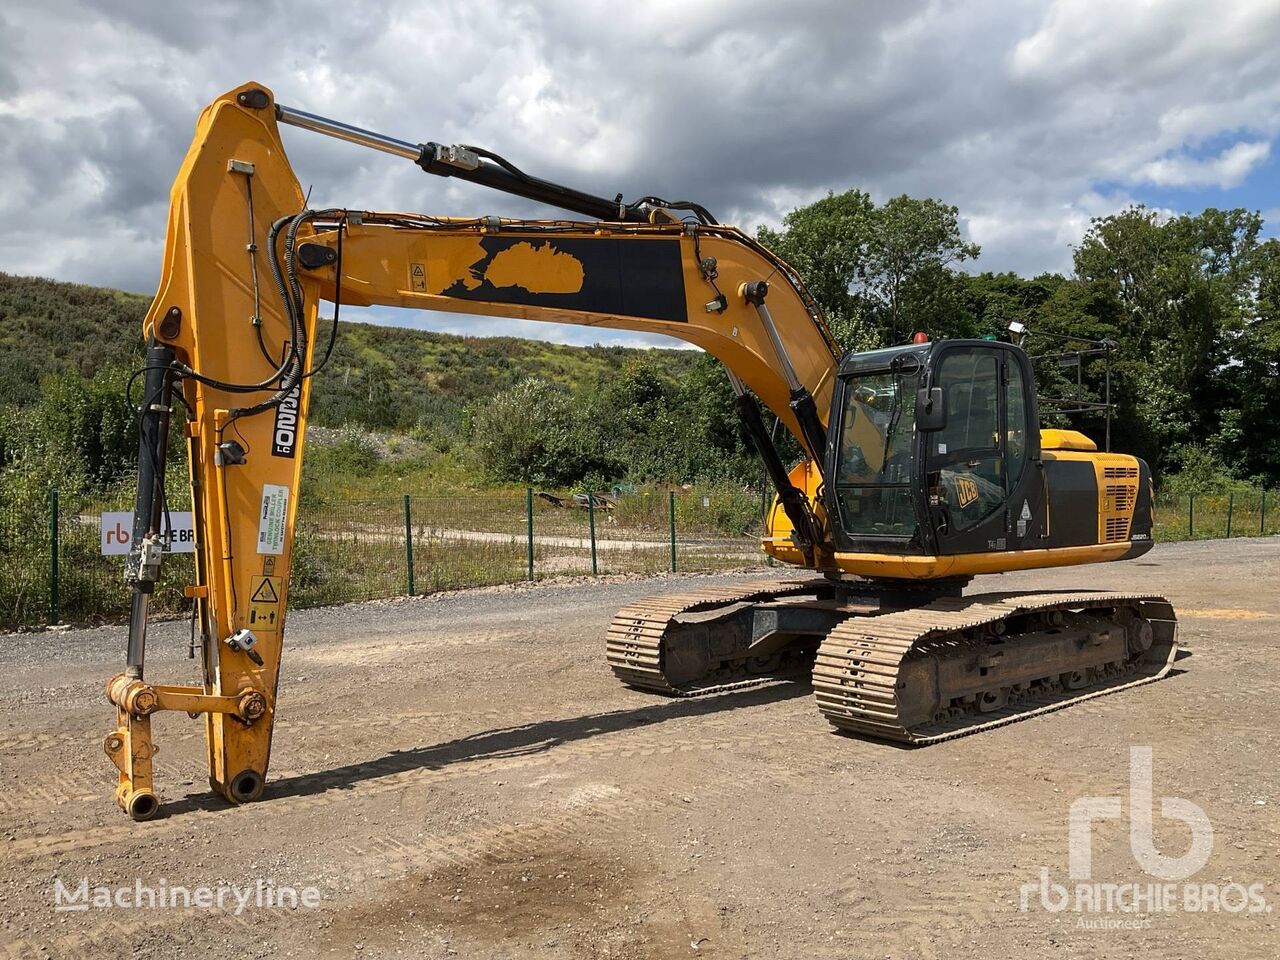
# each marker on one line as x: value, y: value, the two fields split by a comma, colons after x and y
x: 117, y: 533
x: 275, y: 508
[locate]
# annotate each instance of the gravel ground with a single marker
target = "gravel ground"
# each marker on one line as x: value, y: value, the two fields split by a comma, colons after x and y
x: 460, y: 775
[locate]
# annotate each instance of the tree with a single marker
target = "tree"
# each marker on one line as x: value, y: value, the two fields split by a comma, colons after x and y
x: 872, y: 269
x: 1257, y: 371
x: 713, y: 446
x: 826, y: 242
x: 1183, y: 289
x: 911, y: 247
x: 535, y: 433
x: 640, y: 430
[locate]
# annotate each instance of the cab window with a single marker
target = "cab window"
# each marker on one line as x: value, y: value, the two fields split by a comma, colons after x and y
x: 966, y: 457
x: 874, y: 470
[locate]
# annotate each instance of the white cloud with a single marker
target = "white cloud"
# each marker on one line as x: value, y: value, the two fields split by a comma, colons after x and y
x: 1227, y: 169
x: 1032, y: 118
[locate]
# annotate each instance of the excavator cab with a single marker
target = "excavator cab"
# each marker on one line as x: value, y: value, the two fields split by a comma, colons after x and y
x: 936, y: 452
x: 933, y: 446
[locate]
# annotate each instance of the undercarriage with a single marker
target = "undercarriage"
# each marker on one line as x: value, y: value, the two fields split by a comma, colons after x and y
x: 905, y: 663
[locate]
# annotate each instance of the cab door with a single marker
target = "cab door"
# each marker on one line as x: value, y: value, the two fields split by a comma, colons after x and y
x: 982, y: 487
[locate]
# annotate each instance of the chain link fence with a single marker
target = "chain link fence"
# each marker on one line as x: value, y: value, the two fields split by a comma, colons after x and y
x: 52, y: 568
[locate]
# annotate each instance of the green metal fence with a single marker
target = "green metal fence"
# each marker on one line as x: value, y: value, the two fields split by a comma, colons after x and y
x: 52, y: 568
x: 1248, y: 513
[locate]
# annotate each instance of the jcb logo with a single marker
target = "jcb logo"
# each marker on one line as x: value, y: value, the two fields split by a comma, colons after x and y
x: 966, y: 491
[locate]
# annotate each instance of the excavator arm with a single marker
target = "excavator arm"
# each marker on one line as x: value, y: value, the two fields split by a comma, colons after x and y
x: 234, y: 342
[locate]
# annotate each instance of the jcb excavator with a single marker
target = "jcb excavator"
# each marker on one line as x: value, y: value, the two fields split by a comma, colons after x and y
x: 923, y: 465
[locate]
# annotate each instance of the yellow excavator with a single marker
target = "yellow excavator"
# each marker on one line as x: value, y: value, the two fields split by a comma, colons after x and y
x: 924, y: 464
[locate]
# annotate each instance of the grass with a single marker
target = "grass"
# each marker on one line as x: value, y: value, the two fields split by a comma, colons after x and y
x: 355, y: 550
x: 1205, y: 516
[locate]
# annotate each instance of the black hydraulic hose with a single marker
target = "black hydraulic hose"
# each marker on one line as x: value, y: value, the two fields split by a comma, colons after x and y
x: 150, y: 512
x: 698, y: 209
x: 498, y: 159
x: 294, y: 305
x: 298, y: 329
x: 337, y: 306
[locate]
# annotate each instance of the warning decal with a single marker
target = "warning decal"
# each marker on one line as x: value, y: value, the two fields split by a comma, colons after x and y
x: 418, y: 277
x: 265, y: 591
x: 264, y: 602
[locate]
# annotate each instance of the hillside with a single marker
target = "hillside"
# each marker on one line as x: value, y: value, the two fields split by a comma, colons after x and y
x: 51, y: 327
x: 384, y: 378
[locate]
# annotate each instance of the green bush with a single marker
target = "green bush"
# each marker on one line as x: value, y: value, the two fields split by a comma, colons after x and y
x: 536, y: 433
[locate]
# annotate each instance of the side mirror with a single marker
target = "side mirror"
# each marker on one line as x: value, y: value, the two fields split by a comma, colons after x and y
x: 931, y: 412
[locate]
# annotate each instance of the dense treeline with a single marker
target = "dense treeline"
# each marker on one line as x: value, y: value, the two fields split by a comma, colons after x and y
x: 639, y: 425
x: 1192, y: 304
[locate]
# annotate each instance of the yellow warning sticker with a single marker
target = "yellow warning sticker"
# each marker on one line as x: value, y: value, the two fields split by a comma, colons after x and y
x: 418, y: 277
x: 264, y: 602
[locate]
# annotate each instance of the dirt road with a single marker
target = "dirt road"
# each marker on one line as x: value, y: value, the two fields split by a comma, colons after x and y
x: 461, y: 776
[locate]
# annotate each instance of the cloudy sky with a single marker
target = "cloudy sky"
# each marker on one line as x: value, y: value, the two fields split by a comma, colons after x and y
x: 1031, y: 117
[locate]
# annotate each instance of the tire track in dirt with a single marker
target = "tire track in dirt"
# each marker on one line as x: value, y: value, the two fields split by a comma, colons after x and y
x: 117, y: 935
x: 363, y: 864
x: 599, y: 811
x: 84, y: 783
x: 396, y: 772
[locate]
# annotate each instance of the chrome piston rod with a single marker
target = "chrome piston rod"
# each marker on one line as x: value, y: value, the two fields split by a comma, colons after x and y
x: 344, y: 131
x: 467, y: 163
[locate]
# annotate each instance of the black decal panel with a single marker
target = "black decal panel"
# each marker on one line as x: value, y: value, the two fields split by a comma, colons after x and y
x: 627, y: 278
x: 1073, y: 503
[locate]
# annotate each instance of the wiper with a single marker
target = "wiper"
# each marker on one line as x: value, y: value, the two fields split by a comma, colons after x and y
x: 896, y: 416
x: 892, y: 426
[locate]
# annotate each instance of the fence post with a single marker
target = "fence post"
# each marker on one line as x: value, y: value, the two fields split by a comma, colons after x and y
x: 1262, y: 516
x: 1231, y: 500
x: 591, y: 522
x: 671, y: 514
x: 528, y: 515
x: 1191, y: 516
x: 53, y: 555
x: 408, y: 544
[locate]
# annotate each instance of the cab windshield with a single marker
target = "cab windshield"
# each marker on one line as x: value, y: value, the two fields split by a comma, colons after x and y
x: 873, y: 473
